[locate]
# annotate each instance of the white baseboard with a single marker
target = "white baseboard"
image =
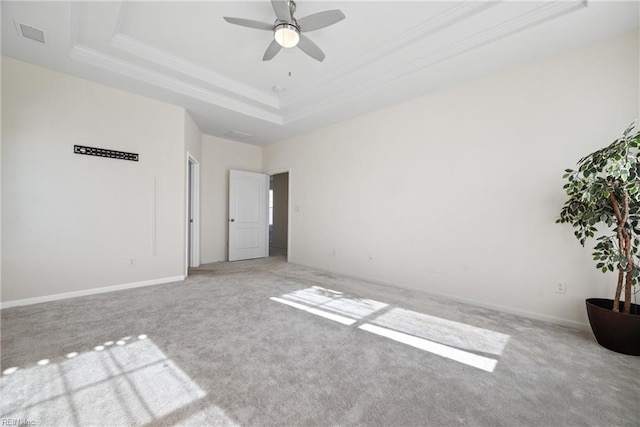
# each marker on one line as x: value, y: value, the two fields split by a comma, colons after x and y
x: 94, y: 291
x: 522, y: 313
x: 510, y: 310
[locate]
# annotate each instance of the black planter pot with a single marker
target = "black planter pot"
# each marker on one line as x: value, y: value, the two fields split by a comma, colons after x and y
x: 616, y: 331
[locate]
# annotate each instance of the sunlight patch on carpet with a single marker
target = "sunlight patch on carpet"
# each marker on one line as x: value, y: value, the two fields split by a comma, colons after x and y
x: 470, y: 359
x: 125, y: 381
x: 443, y: 331
x: 446, y: 338
x: 317, y: 312
x: 321, y: 301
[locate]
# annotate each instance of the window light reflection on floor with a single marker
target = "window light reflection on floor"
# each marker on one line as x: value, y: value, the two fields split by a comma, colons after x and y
x: 317, y: 312
x: 443, y: 331
x: 125, y: 381
x: 324, y: 302
x: 446, y: 338
x: 466, y: 357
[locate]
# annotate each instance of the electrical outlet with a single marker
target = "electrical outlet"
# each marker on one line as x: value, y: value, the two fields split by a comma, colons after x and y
x: 561, y: 288
x: 334, y: 252
x: 132, y: 261
x: 370, y: 258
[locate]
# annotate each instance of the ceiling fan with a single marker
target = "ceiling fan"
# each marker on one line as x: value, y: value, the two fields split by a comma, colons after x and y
x: 287, y: 30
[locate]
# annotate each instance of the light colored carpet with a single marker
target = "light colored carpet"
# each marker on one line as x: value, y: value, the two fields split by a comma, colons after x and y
x: 258, y: 343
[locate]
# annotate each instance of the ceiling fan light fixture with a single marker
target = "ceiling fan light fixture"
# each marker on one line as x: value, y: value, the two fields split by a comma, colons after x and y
x: 287, y: 35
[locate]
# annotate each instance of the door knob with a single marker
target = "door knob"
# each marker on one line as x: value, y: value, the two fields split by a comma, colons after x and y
x: 232, y: 220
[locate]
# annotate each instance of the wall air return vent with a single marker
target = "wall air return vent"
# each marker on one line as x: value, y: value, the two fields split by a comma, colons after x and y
x: 31, y: 33
x: 237, y: 135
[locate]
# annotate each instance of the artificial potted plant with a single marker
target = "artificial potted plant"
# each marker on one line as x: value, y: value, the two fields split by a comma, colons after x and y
x: 605, y: 190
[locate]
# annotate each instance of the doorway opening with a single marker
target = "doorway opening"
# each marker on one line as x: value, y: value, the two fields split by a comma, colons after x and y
x: 279, y: 215
x: 192, y: 214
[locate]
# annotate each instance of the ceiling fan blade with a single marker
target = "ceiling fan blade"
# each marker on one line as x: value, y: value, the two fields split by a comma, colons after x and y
x: 320, y: 20
x: 271, y: 51
x: 310, y: 48
x: 281, y: 8
x: 249, y: 23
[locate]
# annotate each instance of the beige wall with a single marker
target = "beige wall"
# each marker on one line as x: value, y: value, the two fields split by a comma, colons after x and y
x: 280, y: 209
x: 72, y: 223
x: 218, y: 156
x: 456, y: 192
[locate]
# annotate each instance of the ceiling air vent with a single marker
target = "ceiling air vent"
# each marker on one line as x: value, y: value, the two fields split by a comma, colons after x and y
x: 32, y: 33
x: 237, y: 135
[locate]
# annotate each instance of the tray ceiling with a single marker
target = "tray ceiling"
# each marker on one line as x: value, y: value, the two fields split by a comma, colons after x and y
x: 382, y: 53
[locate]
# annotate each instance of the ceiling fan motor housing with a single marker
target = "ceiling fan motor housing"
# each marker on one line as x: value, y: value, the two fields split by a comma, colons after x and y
x: 287, y: 34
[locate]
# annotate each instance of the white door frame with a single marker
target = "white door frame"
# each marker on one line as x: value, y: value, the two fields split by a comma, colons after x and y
x: 192, y: 246
x: 276, y: 172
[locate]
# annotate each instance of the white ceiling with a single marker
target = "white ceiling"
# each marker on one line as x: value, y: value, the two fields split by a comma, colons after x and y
x: 382, y: 53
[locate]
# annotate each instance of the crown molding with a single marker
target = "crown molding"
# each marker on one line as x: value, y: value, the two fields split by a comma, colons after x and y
x: 322, y: 93
x: 119, y: 41
x: 159, y: 57
x: 435, y: 55
x: 101, y: 60
x: 429, y: 27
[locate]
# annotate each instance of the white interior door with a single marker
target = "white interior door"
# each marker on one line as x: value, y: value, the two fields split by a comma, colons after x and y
x: 248, y: 215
